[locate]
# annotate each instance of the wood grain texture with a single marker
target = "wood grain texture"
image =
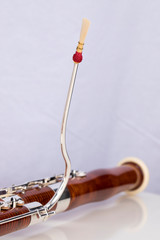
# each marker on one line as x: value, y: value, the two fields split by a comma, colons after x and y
x: 101, y: 184
x: 14, y: 225
x: 41, y: 195
x: 98, y: 185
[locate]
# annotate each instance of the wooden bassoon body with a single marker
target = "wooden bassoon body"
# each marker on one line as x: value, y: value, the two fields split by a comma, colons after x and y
x: 35, y: 201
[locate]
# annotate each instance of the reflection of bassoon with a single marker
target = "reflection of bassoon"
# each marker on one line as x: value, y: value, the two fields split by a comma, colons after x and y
x: 23, y: 205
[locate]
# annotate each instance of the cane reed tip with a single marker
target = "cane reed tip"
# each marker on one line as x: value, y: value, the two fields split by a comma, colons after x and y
x: 144, y: 170
x: 77, y: 57
x: 84, y: 30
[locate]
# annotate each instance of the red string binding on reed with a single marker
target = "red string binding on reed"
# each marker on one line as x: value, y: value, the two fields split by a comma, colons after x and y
x: 77, y: 57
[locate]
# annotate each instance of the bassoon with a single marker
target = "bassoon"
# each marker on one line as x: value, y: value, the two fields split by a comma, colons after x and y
x: 35, y: 201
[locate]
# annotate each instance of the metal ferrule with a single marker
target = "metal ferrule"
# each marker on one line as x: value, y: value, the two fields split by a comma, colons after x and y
x: 63, y: 202
x: 39, y: 213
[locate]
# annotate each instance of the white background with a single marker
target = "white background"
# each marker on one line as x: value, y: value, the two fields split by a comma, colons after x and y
x: 115, y: 111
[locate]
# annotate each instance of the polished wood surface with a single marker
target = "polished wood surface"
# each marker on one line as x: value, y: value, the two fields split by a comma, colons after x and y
x: 101, y: 184
x: 41, y: 195
x: 14, y: 225
x: 97, y: 185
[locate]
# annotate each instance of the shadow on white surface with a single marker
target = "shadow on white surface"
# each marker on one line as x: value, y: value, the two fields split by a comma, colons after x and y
x: 125, y: 217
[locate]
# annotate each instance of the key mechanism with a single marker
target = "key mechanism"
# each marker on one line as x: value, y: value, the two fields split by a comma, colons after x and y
x: 11, y: 202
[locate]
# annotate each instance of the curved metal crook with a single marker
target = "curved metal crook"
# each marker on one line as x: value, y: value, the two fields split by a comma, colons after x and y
x: 77, y: 58
x: 64, y: 182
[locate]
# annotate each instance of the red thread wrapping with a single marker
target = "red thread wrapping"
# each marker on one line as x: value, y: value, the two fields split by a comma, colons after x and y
x: 77, y: 57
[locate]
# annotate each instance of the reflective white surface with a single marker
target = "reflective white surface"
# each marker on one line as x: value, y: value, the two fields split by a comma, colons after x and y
x: 117, y: 218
